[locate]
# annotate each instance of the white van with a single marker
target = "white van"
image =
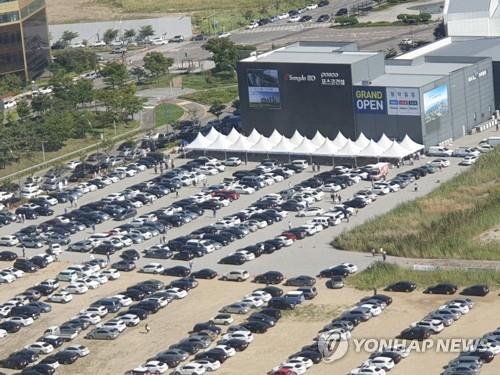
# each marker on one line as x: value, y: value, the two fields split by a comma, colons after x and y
x: 321, y: 220
x: 335, y: 217
x: 67, y: 275
x: 439, y: 151
x: 300, y: 163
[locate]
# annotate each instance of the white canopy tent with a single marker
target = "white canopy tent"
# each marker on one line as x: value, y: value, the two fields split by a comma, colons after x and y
x: 297, y: 138
x: 410, y: 144
x: 318, y: 139
x: 254, y: 136
x: 339, y: 140
x: 233, y: 135
x: 263, y: 145
x: 212, y: 135
x: 305, y: 147
x: 284, y: 146
x: 362, y: 141
x: 275, y: 137
x: 384, y: 142
x: 242, y: 144
x: 220, y: 144
x: 200, y: 142
x: 395, y: 151
x: 349, y: 149
x: 371, y: 150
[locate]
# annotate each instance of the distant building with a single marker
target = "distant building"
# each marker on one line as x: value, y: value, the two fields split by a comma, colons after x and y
x: 472, y: 17
x: 24, y: 38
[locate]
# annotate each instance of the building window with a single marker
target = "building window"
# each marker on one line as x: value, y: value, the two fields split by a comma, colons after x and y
x: 32, y: 8
x: 9, y: 17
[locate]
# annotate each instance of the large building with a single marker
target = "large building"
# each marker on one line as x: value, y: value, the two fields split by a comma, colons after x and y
x: 333, y: 87
x: 24, y: 38
x: 472, y: 17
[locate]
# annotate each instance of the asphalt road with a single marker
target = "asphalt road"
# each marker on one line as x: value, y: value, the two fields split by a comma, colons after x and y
x: 304, y: 257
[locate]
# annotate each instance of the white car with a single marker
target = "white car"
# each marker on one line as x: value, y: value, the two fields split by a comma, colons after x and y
x: 439, y: 163
x: 155, y: 268
x: 102, y: 311
x: 61, y: 297
x: 311, y: 211
x: 224, y: 35
x: 381, y: 188
x: 6, y: 277
x: 329, y: 188
x: 240, y: 335
x: 305, y: 361
x: 3, y: 333
x: 192, y: 368
x: 76, y: 288
x: 160, y: 300
x: 463, y: 308
x: 232, y: 162
x: 230, y: 351
x: 260, y: 294
x: 178, y: 293
x: 247, y: 254
x: 368, y: 370
x: 208, y: 364
x: 14, y: 271
x: 236, y: 275
x: 22, y: 320
x: 253, y: 25
x: 99, y: 43
x: 89, y: 283
x: 375, y: 310
x: 312, y: 6
x: 283, y: 16
x: 118, y: 324
x: 156, y: 367
x: 469, y: 160
x: 91, y: 318
x: 72, y: 164
x: 81, y: 350
x: 434, y: 325
x: 101, y: 279
x: 222, y: 319
x: 124, y: 300
x: 285, y: 241
x: 9, y: 240
x: 254, y: 302
x: 40, y: 347
x: 111, y: 274
x: 294, y: 18
x: 52, y: 283
x: 159, y: 42
x: 352, y: 268
x: 130, y: 319
x: 243, y: 189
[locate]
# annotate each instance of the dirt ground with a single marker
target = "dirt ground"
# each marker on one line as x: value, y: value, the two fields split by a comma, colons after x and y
x: 295, y: 330
x: 63, y: 11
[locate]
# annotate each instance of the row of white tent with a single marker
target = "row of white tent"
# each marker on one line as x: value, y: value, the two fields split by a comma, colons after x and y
x: 319, y: 145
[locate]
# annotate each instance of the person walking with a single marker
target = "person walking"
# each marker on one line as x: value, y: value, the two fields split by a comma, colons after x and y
x: 147, y: 328
x: 24, y: 251
x: 373, y: 252
x: 190, y: 265
x: 214, y: 211
x: 164, y: 239
x: 177, y: 193
x: 93, y: 227
x: 415, y: 188
x: 161, y: 168
x: 332, y: 196
x: 108, y: 258
x: 318, y: 168
x: 384, y: 256
x: 374, y: 291
x: 289, y: 225
x: 156, y: 169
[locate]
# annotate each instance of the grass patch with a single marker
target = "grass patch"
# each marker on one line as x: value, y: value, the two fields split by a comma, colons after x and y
x: 312, y: 313
x: 225, y: 94
x: 167, y: 113
x: 207, y: 80
x: 154, y: 83
x: 444, y: 224
x: 379, y: 275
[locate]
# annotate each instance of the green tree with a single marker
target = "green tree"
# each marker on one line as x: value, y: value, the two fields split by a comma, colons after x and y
x: 110, y: 35
x: 23, y: 109
x: 41, y: 103
x: 217, y: 108
x: 68, y: 35
x: 129, y: 34
x: 390, y: 53
x: 74, y: 60
x: 157, y: 63
x: 224, y: 53
x: 439, y: 31
x: 236, y: 104
x: 138, y: 72
x: 146, y: 31
x: 10, y: 84
x: 424, y: 17
x: 346, y: 20
x: 248, y: 15
x: 115, y: 74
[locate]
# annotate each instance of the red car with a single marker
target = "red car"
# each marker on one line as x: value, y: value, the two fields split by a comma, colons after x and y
x: 283, y: 371
x: 139, y: 371
x: 228, y: 194
x: 289, y: 235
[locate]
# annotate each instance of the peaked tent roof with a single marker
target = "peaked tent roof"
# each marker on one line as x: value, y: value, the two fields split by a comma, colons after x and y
x: 362, y: 141
x: 396, y: 151
x: 241, y: 144
x: 305, y: 147
x: 327, y: 148
x: 220, y: 144
x: 275, y: 137
x: 212, y: 134
x: 340, y: 140
x: 284, y: 146
x: 350, y: 149
x: 233, y: 135
x: 200, y: 142
x: 297, y: 138
x: 318, y: 139
x: 410, y: 144
x: 384, y: 142
x: 254, y: 136
x: 263, y: 145
x: 372, y: 150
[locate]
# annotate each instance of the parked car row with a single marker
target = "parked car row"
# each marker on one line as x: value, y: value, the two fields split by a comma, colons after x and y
x: 479, y: 290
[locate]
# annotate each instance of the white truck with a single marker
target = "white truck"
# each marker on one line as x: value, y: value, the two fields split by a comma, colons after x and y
x: 493, y: 141
x: 65, y: 334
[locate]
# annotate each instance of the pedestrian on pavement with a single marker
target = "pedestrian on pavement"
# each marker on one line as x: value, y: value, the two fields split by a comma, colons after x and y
x: 415, y: 188
x: 497, y: 126
x: 164, y: 239
x: 108, y: 258
x: 93, y: 227
x: 289, y: 225
x: 374, y: 291
x: 173, y: 166
x: 24, y: 251
x: 23, y: 217
x: 381, y: 251
x: 156, y: 169
x: 177, y: 193
x: 214, y: 211
x: 319, y: 167
x: 65, y: 210
x: 161, y: 168
x: 384, y: 256
x: 190, y: 265
x: 373, y: 252
x: 339, y: 198
x: 147, y: 328
x: 91, y: 257
x: 332, y: 196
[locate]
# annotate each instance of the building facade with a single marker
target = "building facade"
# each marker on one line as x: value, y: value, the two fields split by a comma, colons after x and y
x: 332, y: 87
x: 24, y: 38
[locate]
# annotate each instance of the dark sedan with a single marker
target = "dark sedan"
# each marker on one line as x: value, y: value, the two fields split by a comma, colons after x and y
x: 444, y: 288
x: 302, y: 280
x: 476, y: 290
x: 177, y: 271
x: 402, y: 286
x: 205, y: 273
x: 270, y: 277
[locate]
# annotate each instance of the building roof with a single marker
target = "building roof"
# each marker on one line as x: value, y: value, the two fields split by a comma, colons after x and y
x: 426, y: 68
x: 468, y: 6
x: 403, y: 80
x: 471, y: 46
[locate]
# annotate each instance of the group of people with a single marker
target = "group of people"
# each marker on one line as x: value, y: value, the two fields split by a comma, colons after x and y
x: 336, y: 198
x: 163, y: 165
x: 381, y: 252
x: 21, y: 218
x: 316, y: 167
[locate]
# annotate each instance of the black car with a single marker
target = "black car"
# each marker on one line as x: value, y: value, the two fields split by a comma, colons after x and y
x: 7, y: 256
x: 256, y: 326
x: 334, y: 271
x: 170, y: 360
x: 177, y: 271
x: 323, y: 3
x: 206, y: 327
x: 25, y: 265
x: 55, y: 341
x: 381, y: 297
x: 476, y: 290
x: 274, y: 291
x: 314, y: 356
x: 140, y: 312
x: 10, y: 327
x: 130, y: 254
x: 238, y: 345
x: 159, y: 254
x: 126, y: 214
x: 444, y: 288
x: 402, y: 286
x: 188, y: 346
x: 40, y: 306
x: 39, y: 369
x: 356, y: 203
x: 270, y: 277
x: 184, y: 284
x: 272, y: 312
x: 236, y: 259
x: 124, y: 265
x: 66, y: 357
x: 184, y: 255
x: 281, y: 303
x: 262, y: 318
x: 484, y: 355
x: 305, y: 18
x: 15, y: 362
x: 302, y: 280
x: 415, y: 333
x: 104, y: 249
x: 148, y: 305
x: 153, y: 283
x: 323, y: 18
x: 30, y: 355
x: 395, y: 356
x: 342, y: 12
x: 135, y: 294
x: 39, y: 261
x: 205, y: 273
x: 213, y: 354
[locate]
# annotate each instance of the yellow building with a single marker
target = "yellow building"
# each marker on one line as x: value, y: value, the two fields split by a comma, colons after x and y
x: 24, y: 38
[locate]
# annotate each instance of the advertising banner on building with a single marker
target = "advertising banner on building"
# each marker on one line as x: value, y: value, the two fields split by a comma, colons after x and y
x: 403, y: 101
x: 263, y: 88
x: 370, y: 100
x: 435, y: 103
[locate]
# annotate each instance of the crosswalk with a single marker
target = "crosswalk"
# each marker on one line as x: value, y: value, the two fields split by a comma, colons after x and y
x: 287, y: 27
